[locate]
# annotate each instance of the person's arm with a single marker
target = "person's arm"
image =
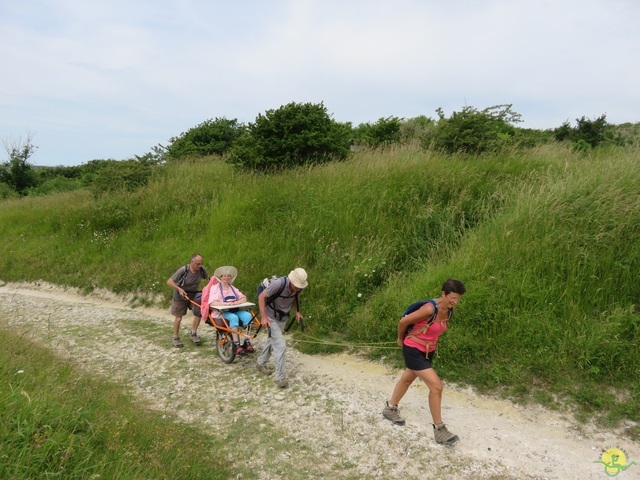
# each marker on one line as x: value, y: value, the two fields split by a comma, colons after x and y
x: 262, y: 305
x: 176, y: 287
x: 414, y: 317
x: 298, y: 314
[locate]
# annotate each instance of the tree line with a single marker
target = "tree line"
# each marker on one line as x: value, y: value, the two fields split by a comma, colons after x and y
x: 300, y: 134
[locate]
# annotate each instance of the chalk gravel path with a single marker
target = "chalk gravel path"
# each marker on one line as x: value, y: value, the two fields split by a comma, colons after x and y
x: 328, y: 423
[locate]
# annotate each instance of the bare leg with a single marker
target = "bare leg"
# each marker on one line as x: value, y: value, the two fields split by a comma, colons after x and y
x: 196, y: 324
x: 431, y: 379
x: 176, y: 326
x: 407, y: 378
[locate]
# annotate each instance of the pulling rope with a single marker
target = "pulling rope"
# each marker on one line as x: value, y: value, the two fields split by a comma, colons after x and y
x: 318, y: 341
x: 313, y: 340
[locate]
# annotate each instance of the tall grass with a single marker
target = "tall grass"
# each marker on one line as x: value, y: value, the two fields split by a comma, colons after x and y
x: 58, y: 423
x: 552, y: 307
x: 543, y: 240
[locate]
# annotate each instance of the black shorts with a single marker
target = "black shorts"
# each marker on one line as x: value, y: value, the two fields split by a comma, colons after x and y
x: 415, y: 359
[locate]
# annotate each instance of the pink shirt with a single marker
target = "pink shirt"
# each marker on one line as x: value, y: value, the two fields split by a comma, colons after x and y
x: 431, y: 336
x: 218, y: 293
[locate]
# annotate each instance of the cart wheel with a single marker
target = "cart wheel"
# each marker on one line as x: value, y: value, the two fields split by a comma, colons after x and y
x: 224, y: 343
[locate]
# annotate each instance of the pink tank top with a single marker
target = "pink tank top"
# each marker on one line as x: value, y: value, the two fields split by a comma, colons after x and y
x: 429, y: 338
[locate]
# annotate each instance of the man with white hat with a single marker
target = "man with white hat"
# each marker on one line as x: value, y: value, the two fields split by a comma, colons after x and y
x: 275, y: 303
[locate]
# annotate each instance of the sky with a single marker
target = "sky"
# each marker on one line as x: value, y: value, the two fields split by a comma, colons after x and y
x: 89, y: 79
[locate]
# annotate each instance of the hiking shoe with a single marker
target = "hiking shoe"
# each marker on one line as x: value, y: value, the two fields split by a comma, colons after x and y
x: 283, y: 383
x: 240, y: 350
x: 263, y: 369
x: 392, y: 413
x: 177, y: 342
x: 443, y: 436
x: 195, y: 338
x: 248, y: 347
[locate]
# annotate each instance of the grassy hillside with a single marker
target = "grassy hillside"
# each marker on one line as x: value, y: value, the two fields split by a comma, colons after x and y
x: 544, y: 241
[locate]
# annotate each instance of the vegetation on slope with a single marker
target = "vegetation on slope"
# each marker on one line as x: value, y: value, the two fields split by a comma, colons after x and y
x: 542, y: 238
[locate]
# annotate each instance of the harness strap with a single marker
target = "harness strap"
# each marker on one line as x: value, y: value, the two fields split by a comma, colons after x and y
x: 280, y: 314
x: 422, y: 342
x: 422, y: 330
x: 233, y: 290
x: 425, y: 343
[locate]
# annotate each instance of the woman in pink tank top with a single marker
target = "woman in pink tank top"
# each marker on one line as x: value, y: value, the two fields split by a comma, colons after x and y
x: 418, y: 334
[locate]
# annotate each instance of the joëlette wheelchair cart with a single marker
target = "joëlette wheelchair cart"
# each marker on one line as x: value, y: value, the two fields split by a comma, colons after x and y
x: 224, y: 335
x: 224, y: 338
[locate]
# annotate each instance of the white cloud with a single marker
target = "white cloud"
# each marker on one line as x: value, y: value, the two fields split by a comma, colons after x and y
x: 112, y: 79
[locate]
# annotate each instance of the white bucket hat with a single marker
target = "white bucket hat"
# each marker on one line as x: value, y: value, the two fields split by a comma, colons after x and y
x: 299, y: 278
x: 226, y: 271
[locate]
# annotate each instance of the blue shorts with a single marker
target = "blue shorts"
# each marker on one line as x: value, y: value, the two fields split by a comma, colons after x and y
x: 235, y: 318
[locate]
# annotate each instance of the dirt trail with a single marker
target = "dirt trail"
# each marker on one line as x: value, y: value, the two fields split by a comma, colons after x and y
x: 328, y: 424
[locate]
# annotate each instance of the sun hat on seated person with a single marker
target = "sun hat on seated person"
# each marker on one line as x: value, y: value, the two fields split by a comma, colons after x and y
x: 227, y: 270
x: 299, y: 278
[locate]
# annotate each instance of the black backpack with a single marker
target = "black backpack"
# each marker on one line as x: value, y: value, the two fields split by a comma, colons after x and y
x: 417, y: 306
x: 270, y: 299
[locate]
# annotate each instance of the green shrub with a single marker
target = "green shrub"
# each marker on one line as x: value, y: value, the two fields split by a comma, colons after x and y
x: 587, y: 133
x: 127, y: 175
x: 57, y: 185
x: 17, y: 172
x: 626, y: 134
x: 581, y: 145
x: 7, y: 192
x: 383, y: 132
x: 472, y: 131
x: 211, y: 137
x: 293, y: 135
x: 419, y: 129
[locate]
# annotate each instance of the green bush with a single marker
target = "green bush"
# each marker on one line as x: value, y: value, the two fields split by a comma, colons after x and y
x: 127, y: 175
x: 475, y: 131
x: 383, y: 132
x: 47, y: 173
x: 56, y: 185
x: 419, y: 129
x: 293, y: 135
x: 18, y: 174
x: 7, y: 192
x: 626, y: 134
x: 587, y: 133
x: 211, y: 137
